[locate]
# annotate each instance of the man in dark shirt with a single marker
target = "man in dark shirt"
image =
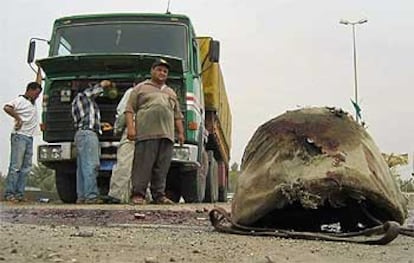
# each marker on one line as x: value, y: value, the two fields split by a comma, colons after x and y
x: 157, y: 112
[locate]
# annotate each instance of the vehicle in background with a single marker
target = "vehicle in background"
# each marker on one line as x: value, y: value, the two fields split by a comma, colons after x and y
x: 86, y: 49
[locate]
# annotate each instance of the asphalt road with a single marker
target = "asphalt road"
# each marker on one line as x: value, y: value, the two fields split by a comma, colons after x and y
x: 50, y: 232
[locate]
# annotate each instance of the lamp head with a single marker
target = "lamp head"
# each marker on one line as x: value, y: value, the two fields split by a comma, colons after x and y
x: 343, y: 21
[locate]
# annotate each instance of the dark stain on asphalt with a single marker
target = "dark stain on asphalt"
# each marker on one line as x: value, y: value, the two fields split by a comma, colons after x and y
x: 100, y: 217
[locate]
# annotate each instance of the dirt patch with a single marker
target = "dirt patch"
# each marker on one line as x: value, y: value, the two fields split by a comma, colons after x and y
x: 92, y: 217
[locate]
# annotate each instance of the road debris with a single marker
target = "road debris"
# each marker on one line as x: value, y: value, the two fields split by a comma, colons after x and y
x: 139, y: 216
x: 83, y: 234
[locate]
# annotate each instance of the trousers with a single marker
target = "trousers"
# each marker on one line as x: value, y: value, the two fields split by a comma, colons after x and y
x: 21, y: 153
x: 120, y: 186
x: 152, y: 159
x: 87, y: 148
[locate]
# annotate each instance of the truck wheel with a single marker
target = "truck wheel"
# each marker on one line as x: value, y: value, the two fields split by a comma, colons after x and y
x: 103, y: 182
x: 193, y: 186
x: 222, y: 197
x: 193, y: 182
x: 66, y: 186
x: 173, y: 196
x: 173, y: 186
x: 211, y: 195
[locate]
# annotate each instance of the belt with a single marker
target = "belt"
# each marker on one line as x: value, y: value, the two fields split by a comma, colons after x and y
x: 86, y: 129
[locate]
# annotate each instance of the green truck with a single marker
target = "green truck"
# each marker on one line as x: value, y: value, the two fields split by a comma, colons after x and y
x: 85, y: 49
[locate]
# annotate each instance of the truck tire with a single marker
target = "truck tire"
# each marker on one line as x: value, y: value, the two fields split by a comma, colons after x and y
x: 66, y: 186
x: 193, y: 187
x: 173, y: 185
x: 222, y: 196
x: 103, y: 182
x: 212, y: 191
x: 223, y: 182
x: 173, y: 196
x: 193, y: 182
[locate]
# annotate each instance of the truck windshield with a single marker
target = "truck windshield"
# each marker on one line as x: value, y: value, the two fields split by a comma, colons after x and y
x: 163, y: 39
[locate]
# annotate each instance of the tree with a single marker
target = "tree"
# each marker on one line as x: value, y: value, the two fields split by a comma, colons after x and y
x: 233, y: 176
x: 393, y: 161
x: 407, y: 186
x: 234, y: 167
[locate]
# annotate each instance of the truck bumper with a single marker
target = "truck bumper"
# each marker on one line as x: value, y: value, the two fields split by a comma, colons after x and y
x: 53, y: 154
x: 185, y: 155
x: 56, y: 152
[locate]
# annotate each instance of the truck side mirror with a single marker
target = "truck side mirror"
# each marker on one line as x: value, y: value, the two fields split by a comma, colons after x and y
x: 214, y: 51
x: 32, y: 49
x: 31, y: 53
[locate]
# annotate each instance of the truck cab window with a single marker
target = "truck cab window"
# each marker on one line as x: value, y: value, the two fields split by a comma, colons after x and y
x: 163, y: 39
x: 64, y: 47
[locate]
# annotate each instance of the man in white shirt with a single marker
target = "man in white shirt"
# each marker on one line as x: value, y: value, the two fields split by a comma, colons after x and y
x: 119, y: 190
x: 24, y: 112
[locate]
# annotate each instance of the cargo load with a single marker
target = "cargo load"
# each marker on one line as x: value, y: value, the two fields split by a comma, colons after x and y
x: 215, y: 96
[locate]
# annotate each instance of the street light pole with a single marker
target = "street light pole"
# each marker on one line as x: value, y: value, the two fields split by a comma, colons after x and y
x: 346, y: 22
x: 355, y: 74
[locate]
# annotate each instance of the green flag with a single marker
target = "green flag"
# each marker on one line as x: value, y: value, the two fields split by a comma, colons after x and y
x: 357, y: 108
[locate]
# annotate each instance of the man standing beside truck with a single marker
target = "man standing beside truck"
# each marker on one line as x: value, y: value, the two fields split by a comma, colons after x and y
x: 120, y: 186
x: 24, y: 112
x: 87, y: 121
x: 157, y: 111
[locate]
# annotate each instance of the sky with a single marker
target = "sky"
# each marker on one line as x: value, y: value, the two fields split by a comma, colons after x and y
x: 275, y: 56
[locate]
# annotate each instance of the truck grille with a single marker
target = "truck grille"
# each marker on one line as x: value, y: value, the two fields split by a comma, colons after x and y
x: 58, y: 117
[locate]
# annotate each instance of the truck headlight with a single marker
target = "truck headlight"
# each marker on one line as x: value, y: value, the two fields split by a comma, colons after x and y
x: 43, y: 153
x: 50, y: 152
x: 56, y: 153
x: 181, y: 154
